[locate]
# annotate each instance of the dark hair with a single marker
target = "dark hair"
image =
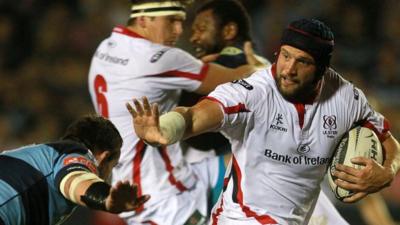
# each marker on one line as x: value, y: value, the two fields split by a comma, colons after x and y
x: 313, y: 37
x: 96, y: 133
x: 226, y: 11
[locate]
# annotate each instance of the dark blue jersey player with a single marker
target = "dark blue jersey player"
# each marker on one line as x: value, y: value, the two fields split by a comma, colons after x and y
x: 42, y: 183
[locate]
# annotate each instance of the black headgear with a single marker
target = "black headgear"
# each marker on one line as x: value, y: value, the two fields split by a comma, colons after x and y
x: 313, y: 37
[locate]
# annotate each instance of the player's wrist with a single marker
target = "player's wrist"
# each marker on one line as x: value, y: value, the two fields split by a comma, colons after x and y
x: 390, y: 173
x: 96, y: 195
x: 385, y: 178
x: 172, y: 126
x: 395, y: 167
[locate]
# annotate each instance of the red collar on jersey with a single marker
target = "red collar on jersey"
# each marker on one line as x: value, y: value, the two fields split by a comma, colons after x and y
x: 308, y: 101
x: 126, y: 31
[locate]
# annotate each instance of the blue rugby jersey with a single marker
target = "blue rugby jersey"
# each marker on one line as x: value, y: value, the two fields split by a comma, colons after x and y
x: 30, y: 178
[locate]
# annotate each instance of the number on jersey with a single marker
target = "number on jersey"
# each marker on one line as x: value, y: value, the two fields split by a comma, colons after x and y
x: 100, y: 87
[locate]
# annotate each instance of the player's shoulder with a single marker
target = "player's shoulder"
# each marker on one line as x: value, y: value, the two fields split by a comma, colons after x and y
x: 170, y: 51
x: 332, y: 77
x: 254, y: 87
x: 67, y: 146
x: 169, y: 58
x: 262, y: 80
x: 123, y: 40
x: 138, y: 45
x: 71, y: 153
x: 244, y: 84
x: 337, y: 85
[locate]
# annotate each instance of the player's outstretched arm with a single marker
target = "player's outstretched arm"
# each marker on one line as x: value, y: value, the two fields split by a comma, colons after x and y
x: 203, y: 117
x: 87, y: 189
x: 173, y: 126
x: 217, y: 74
x: 373, y: 177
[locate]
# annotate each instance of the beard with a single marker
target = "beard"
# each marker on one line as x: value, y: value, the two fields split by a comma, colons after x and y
x: 203, y: 50
x: 301, y: 93
x: 215, y: 45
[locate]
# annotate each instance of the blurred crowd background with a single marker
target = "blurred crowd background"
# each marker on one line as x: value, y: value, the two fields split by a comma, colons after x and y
x: 46, y: 47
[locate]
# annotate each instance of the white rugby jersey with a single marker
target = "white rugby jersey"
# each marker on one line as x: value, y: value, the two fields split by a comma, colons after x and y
x: 127, y: 66
x: 281, y: 150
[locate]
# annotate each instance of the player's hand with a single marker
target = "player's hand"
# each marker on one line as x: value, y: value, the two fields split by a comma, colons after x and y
x: 146, y: 122
x: 371, y: 178
x: 209, y: 58
x: 251, y: 56
x: 124, y: 197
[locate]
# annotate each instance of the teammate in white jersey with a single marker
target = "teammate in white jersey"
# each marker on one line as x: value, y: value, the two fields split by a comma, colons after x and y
x: 139, y: 60
x: 223, y: 26
x: 284, y: 124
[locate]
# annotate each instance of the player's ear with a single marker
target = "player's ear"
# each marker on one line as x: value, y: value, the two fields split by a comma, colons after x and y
x: 230, y: 31
x: 103, y: 157
x: 276, y: 54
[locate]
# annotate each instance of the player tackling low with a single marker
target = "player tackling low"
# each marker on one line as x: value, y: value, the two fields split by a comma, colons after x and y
x: 284, y: 123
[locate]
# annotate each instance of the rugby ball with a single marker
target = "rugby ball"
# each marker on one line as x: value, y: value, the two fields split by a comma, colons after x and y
x: 359, y: 141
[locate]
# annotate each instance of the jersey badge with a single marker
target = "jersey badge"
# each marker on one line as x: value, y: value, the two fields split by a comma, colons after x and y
x: 278, y: 123
x: 244, y: 84
x: 111, y: 43
x: 158, y: 55
x: 356, y: 94
x: 80, y: 160
x: 303, y: 148
x: 330, y: 126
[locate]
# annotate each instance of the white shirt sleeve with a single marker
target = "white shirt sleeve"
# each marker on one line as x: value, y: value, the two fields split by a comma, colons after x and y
x: 367, y: 116
x: 179, y: 69
x: 235, y: 103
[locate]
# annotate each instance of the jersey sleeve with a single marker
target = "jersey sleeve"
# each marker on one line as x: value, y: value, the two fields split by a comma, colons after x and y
x: 72, y: 162
x: 367, y: 116
x: 235, y: 102
x: 180, y: 70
